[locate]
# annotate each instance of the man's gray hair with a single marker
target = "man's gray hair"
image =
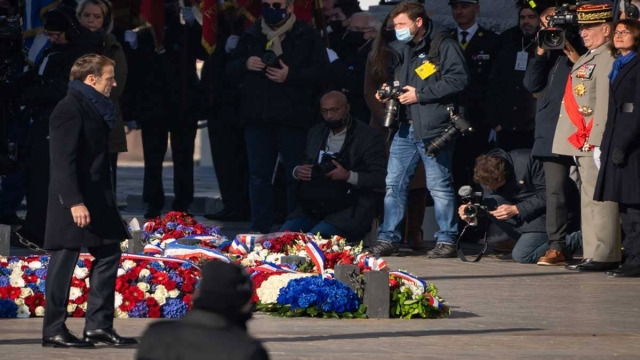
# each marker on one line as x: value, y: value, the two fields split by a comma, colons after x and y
x: 289, y: 2
x: 374, y: 22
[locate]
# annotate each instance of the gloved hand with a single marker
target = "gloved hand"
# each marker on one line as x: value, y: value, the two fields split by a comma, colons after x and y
x: 187, y: 14
x: 332, y: 55
x: 618, y: 158
x: 132, y: 38
x: 232, y: 42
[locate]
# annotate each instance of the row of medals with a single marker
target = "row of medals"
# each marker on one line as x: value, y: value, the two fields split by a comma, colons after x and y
x: 585, y: 110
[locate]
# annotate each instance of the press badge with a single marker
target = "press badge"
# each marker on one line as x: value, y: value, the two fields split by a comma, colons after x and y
x: 425, y: 70
x: 521, y: 60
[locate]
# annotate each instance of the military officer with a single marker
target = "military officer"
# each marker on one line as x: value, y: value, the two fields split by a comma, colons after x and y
x: 480, y: 48
x: 583, y: 115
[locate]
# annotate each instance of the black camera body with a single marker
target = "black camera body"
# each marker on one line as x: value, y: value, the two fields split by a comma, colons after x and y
x: 473, y: 202
x: 562, y: 26
x: 269, y: 58
x: 325, y: 165
x: 392, y: 108
x: 458, y: 126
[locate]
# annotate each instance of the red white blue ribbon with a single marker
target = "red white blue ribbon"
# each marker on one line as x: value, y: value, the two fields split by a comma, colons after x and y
x: 238, y: 247
x: 317, y: 256
x: 376, y: 264
x: 272, y: 268
x: 410, y: 278
x: 434, y: 302
x: 249, y: 240
x: 145, y: 258
x: 154, y: 249
x: 185, y: 252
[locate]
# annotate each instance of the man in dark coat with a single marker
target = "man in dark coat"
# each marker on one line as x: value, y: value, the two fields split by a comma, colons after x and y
x: 215, y: 327
x: 546, y: 76
x: 359, y: 170
x: 511, y: 108
x: 514, y: 193
x: 82, y: 211
x: 480, y: 47
x: 278, y: 99
x: 44, y: 87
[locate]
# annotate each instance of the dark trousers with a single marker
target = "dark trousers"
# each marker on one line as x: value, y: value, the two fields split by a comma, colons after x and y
x: 511, y: 140
x: 37, y: 182
x: 229, y: 154
x: 630, y: 217
x: 263, y: 145
x: 103, y: 274
x: 113, y: 160
x: 563, y: 201
x: 154, y: 143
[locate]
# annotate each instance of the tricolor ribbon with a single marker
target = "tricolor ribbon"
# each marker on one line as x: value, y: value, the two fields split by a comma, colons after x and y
x: 144, y: 258
x: 434, y: 302
x: 410, y: 278
x: 238, y: 248
x: 272, y: 268
x: 317, y: 256
x: 248, y: 240
x: 154, y: 249
x: 375, y: 264
x: 185, y: 252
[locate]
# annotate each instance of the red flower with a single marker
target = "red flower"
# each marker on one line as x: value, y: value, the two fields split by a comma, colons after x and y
x: 172, y: 265
x: 80, y: 300
x: 30, y: 278
x: 78, y: 312
x: 257, y: 280
x: 393, y: 284
x: 75, y: 282
x: 121, y: 284
x: 187, y: 299
x: 151, y: 302
x: 188, y: 288
x: 128, y: 303
x: 160, y: 278
x: 33, y: 301
x: 4, y: 292
x: 170, y: 285
x: 154, y: 312
x: 14, y: 292
x: 135, y: 293
x: 88, y: 263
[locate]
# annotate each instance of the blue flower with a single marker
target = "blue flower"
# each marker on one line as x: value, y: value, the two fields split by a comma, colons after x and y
x: 40, y: 273
x: 186, y: 265
x: 13, y: 259
x: 4, y: 281
x: 141, y: 310
x: 80, y: 263
x: 41, y: 286
x: 329, y: 295
x: 175, y: 277
x: 5, y: 271
x: 28, y: 272
x: 174, y: 308
x: 266, y: 244
x: 171, y: 225
x: 213, y: 230
x: 44, y: 259
x: 156, y: 265
x: 34, y: 287
x: 8, y: 309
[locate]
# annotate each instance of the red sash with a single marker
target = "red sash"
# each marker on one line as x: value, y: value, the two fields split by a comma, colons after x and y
x: 580, y: 137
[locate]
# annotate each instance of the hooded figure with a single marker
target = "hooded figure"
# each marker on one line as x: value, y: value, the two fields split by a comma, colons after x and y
x: 215, y: 325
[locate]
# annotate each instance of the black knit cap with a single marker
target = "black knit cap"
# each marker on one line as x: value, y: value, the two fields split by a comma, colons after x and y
x: 223, y: 288
x: 59, y: 19
x: 539, y: 6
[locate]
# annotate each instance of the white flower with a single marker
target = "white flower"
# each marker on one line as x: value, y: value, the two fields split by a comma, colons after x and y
x: 71, y: 308
x: 121, y: 271
x: 74, y: 293
x: 16, y: 281
x: 87, y: 282
x: 161, y: 300
x: 347, y: 248
x: 174, y: 293
x: 83, y: 306
x: 118, y: 300
x: 274, y: 258
x: 3, y: 259
x: 303, y: 253
x: 17, y: 273
x: 23, y: 312
x: 246, y: 262
x: 35, y: 265
x: 81, y: 273
x: 335, y: 248
x: 143, y: 286
x: 16, y: 265
x: 121, y: 314
x: 40, y: 311
x: 161, y: 294
x: 144, y: 273
x: 24, y: 292
x: 270, y: 289
x: 19, y: 301
x: 155, y: 242
x: 258, y: 247
x: 263, y: 253
x: 128, y: 264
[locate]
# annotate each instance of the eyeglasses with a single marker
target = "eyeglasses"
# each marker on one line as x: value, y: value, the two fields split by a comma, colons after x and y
x: 622, y: 32
x: 276, y: 6
x: 330, y: 111
x: 360, y: 29
x: 54, y: 35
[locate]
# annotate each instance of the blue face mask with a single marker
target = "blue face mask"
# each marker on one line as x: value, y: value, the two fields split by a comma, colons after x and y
x: 273, y: 16
x: 404, y: 35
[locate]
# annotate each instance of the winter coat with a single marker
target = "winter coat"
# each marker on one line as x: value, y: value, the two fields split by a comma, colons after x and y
x: 622, y: 184
x: 113, y: 50
x: 348, y: 77
x: 292, y: 102
x: 80, y: 174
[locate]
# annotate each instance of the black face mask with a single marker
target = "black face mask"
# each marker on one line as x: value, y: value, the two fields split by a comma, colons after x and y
x: 334, y: 124
x: 337, y: 27
x: 354, y: 39
x: 390, y: 36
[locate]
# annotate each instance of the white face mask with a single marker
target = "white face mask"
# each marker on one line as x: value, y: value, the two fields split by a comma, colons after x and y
x: 404, y: 35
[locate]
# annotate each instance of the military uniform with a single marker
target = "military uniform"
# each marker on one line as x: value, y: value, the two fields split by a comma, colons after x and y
x: 581, y: 124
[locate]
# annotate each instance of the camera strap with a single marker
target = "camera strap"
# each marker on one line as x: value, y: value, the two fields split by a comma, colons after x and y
x: 461, y: 255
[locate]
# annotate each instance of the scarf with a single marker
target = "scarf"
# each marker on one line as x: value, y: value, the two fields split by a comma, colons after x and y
x: 275, y: 37
x: 102, y: 103
x: 619, y: 63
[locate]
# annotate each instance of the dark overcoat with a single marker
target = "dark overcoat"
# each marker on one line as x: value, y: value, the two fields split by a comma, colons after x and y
x: 622, y: 131
x: 80, y: 173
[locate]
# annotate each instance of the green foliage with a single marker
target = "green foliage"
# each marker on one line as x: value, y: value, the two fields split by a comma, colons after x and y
x: 312, y: 311
x: 405, y: 305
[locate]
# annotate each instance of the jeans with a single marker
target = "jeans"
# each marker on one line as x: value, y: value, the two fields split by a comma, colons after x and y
x: 309, y: 224
x: 263, y: 145
x: 531, y: 246
x: 404, y: 155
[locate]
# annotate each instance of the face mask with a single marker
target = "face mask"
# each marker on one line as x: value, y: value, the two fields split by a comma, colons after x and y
x: 390, y: 36
x: 405, y: 35
x: 334, y: 124
x: 273, y: 16
x: 354, y: 39
x: 336, y: 26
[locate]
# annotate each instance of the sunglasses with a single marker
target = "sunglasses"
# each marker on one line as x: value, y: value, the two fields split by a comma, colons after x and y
x: 276, y: 6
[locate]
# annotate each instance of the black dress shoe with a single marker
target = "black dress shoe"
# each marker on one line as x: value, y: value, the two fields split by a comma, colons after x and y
x: 573, y: 265
x: 108, y: 336
x: 625, y: 271
x: 228, y: 215
x: 66, y: 340
x: 597, y: 266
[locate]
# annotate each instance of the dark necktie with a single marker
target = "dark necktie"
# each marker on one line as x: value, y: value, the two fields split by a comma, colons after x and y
x: 464, y: 37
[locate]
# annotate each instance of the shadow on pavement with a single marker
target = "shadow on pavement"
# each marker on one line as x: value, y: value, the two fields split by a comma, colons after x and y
x: 456, y: 277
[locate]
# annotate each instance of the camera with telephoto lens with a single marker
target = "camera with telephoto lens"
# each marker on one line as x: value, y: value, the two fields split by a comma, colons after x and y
x: 269, y: 58
x: 391, y: 94
x: 562, y: 25
x: 458, y: 126
x: 324, y: 166
x: 472, y: 200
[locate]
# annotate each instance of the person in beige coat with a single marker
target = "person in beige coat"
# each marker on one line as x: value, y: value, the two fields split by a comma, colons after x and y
x: 583, y: 116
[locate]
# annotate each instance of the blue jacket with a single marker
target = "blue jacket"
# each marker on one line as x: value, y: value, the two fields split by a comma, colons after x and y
x: 430, y: 115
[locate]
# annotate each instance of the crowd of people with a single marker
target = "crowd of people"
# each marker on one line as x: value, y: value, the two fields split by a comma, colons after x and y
x: 336, y: 130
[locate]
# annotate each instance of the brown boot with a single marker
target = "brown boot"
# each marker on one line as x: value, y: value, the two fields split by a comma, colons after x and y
x: 415, y: 216
x: 552, y: 258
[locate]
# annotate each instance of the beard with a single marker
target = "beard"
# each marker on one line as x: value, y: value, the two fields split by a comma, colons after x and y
x: 528, y: 30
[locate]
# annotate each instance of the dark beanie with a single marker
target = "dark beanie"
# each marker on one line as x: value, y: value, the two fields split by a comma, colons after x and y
x: 223, y: 288
x: 540, y: 6
x: 59, y: 19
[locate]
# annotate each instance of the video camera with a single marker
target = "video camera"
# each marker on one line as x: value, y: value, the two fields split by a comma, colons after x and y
x: 458, y: 126
x: 562, y: 25
x: 473, y: 200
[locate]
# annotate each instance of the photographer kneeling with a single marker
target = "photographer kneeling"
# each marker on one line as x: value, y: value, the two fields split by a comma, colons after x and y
x: 344, y: 163
x: 515, y: 199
